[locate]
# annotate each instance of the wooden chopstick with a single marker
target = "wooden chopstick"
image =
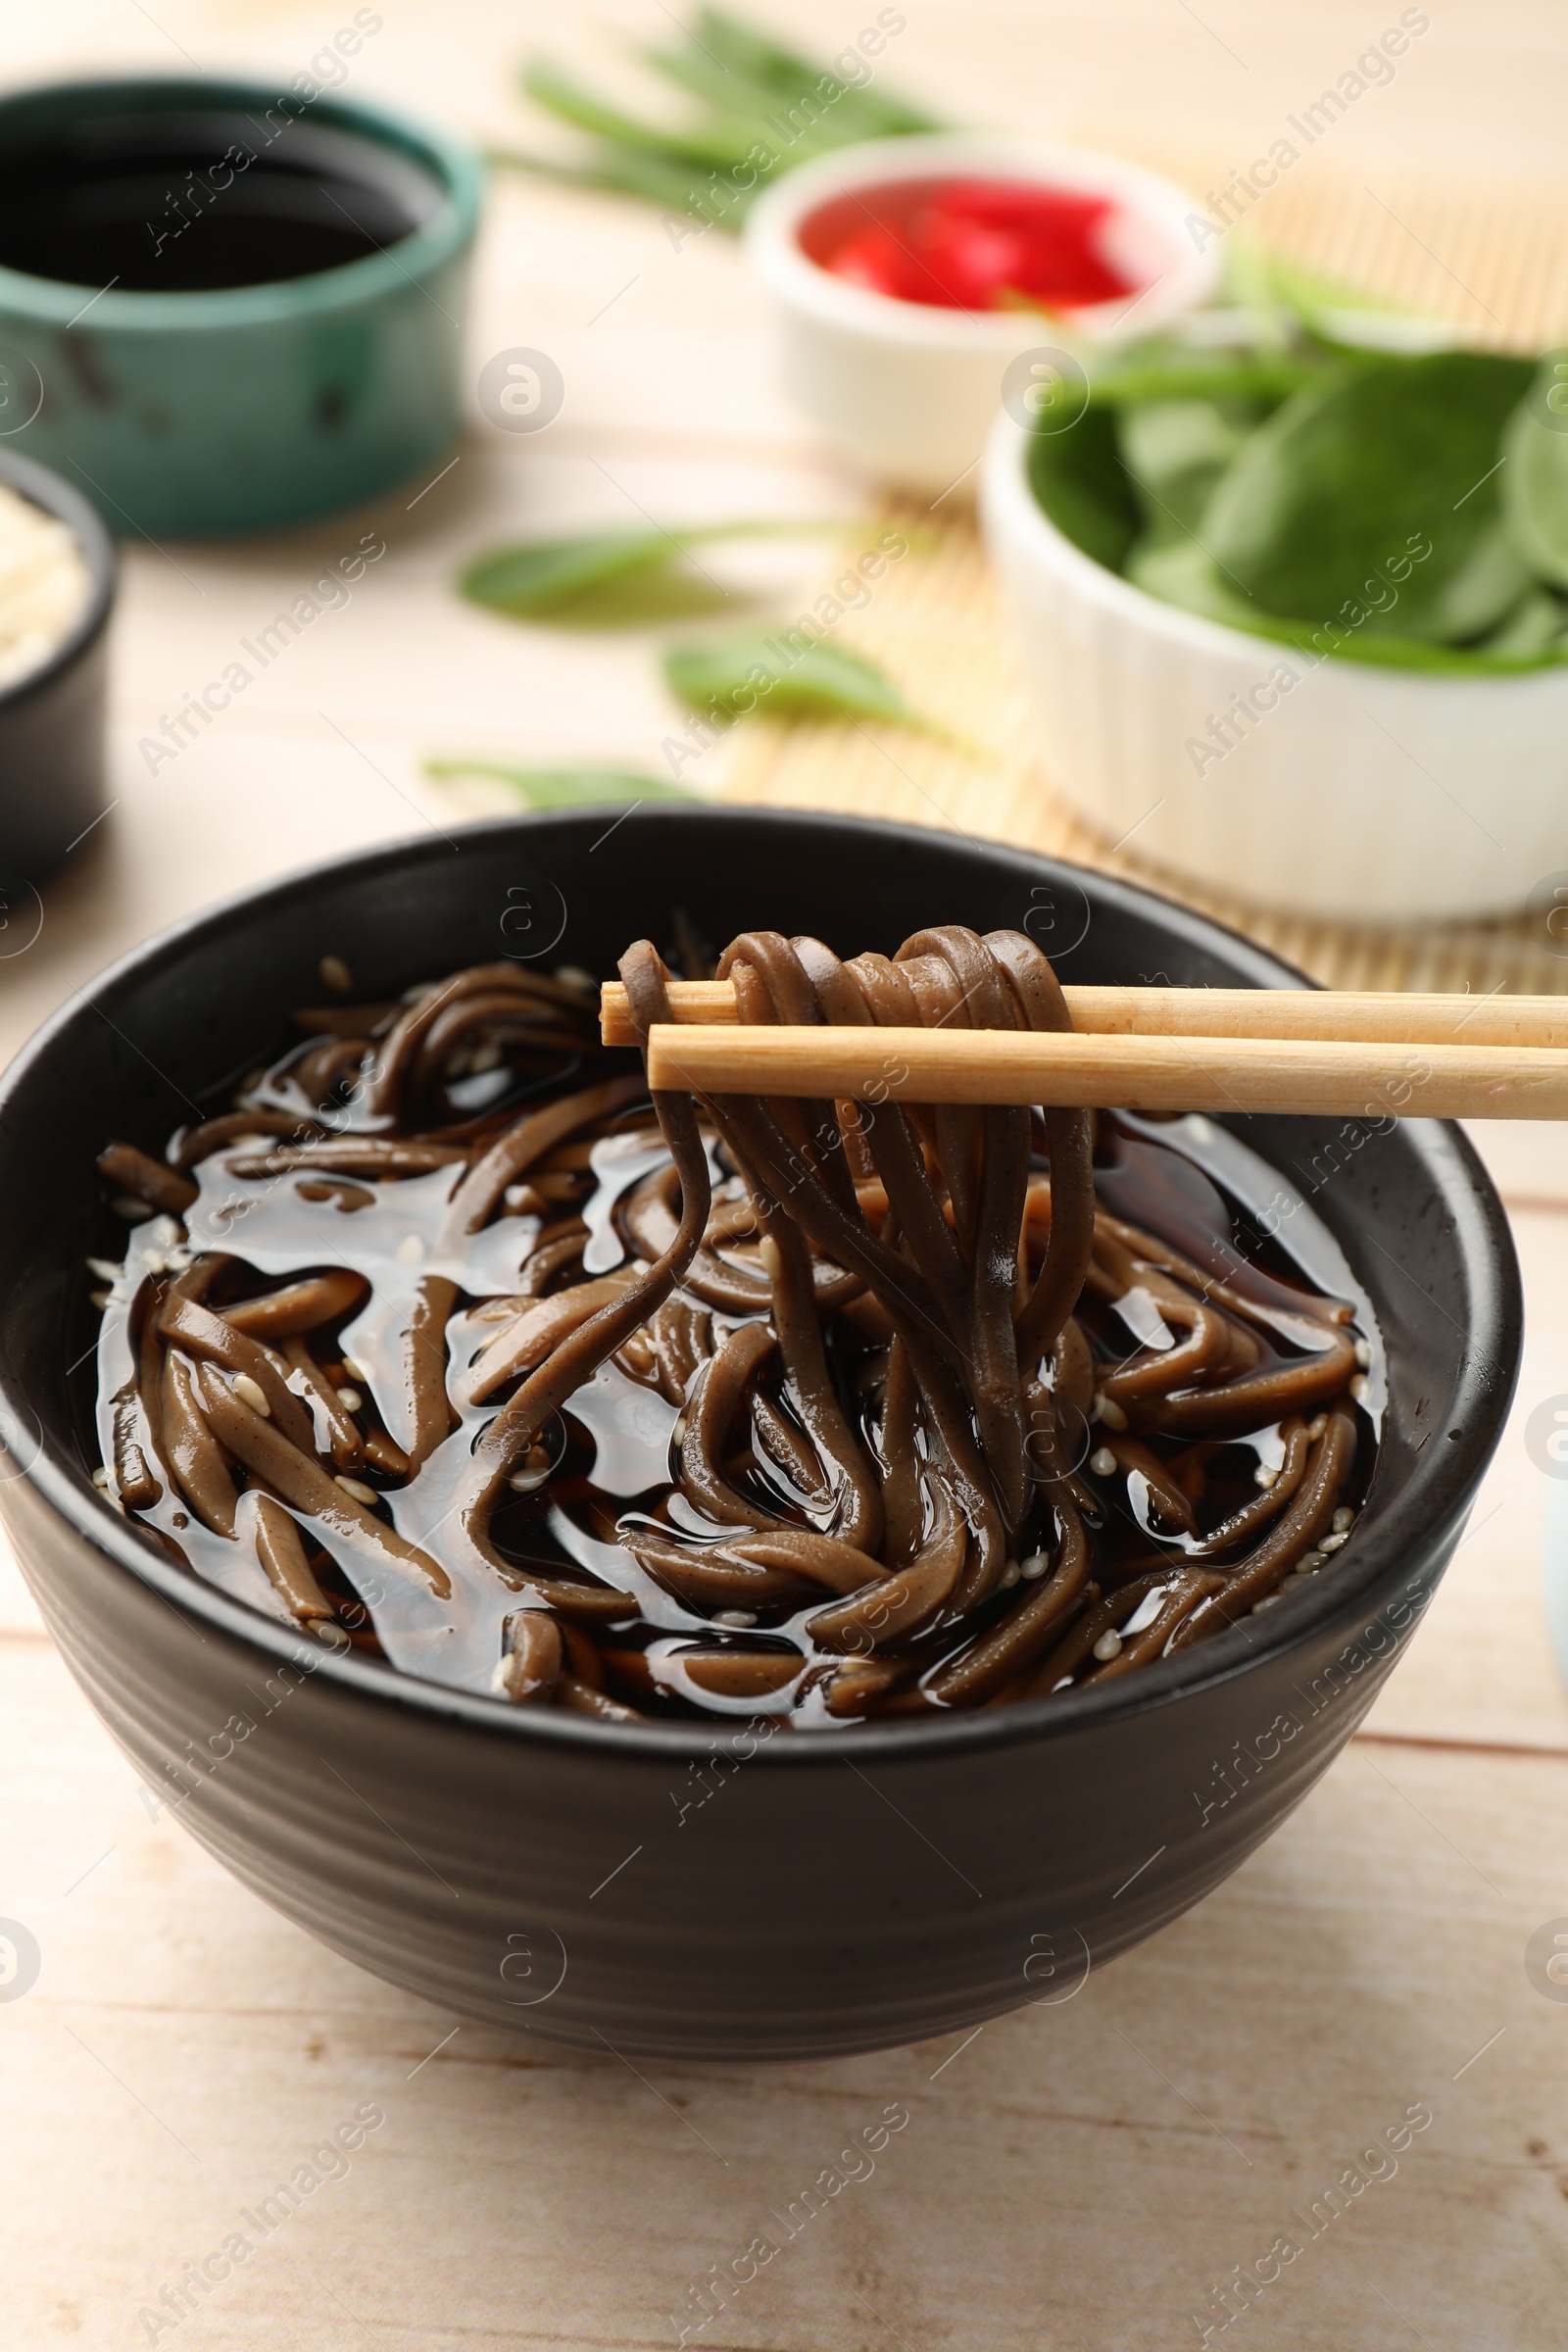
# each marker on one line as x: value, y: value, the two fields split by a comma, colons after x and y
x: 1359, y: 1078
x: 1334, y: 1017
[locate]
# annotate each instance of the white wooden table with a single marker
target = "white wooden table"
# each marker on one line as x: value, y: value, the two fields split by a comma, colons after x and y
x: 1084, y: 2176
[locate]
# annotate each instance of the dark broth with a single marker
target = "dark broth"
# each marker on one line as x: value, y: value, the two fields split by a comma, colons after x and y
x: 607, y: 1470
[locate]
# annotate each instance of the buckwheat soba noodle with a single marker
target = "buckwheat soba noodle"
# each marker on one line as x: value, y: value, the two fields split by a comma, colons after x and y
x: 455, y: 1348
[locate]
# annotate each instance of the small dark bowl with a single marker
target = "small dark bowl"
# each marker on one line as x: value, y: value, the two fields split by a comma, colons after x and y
x: 668, y: 1889
x: 52, y: 720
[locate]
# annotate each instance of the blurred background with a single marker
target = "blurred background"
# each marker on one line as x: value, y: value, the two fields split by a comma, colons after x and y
x: 1436, y: 188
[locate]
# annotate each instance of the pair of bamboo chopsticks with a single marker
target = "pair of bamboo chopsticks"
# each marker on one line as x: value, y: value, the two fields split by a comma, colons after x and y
x: 1365, y: 1056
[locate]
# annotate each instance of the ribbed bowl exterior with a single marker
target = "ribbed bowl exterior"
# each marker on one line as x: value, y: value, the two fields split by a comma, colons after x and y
x: 671, y: 1890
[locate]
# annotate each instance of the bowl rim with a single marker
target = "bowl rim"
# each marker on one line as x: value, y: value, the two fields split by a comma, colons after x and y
x: 773, y: 245
x: 1420, y: 1517
x: 56, y: 496
x: 1011, y: 510
x: 455, y: 166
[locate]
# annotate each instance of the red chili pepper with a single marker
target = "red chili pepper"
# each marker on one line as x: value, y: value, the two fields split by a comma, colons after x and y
x: 968, y: 245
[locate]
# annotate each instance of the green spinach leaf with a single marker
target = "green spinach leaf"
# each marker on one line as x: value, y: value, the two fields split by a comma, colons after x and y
x: 1080, y: 482
x: 1535, y: 625
x: 1179, y: 573
x: 1357, y: 475
x: 1175, y: 452
x: 1166, y: 368
x: 1535, y: 477
x: 766, y: 673
x: 536, y: 578
x: 615, y: 579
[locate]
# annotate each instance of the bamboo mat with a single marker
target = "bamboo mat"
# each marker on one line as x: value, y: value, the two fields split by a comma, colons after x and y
x: 937, y: 627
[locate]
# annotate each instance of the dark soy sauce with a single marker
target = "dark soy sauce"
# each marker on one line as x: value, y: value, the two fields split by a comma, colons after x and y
x: 191, y: 201
x: 613, y: 1453
x: 1152, y: 1174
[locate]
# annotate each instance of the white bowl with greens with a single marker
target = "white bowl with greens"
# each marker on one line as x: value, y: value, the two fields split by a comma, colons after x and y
x: 1295, y: 611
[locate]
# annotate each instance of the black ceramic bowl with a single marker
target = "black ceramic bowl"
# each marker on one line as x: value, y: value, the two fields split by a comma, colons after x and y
x: 52, y: 720
x: 671, y: 1889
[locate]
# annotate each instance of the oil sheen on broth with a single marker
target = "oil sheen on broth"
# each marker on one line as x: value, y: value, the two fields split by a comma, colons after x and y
x: 451, y: 1347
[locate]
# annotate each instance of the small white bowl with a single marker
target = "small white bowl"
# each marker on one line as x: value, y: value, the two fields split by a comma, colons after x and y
x: 1352, y: 793
x: 909, y: 390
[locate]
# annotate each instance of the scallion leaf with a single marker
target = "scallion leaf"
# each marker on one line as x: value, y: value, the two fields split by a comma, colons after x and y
x: 762, y: 110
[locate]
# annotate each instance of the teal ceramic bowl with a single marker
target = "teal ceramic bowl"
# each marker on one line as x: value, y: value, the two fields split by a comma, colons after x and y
x: 223, y: 308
